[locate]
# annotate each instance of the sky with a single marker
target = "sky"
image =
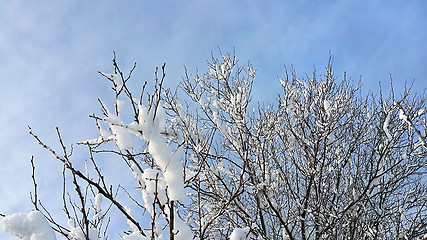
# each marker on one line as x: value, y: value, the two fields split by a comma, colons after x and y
x: 51, y: 51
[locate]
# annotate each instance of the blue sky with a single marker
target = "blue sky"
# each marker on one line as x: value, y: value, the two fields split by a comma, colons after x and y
x: 50, y: 52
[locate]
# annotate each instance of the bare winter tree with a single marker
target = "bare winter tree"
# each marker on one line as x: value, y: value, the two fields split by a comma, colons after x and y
x: 324, y: 162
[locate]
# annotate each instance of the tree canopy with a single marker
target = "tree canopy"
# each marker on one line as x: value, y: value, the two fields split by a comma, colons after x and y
x: 322, y: 162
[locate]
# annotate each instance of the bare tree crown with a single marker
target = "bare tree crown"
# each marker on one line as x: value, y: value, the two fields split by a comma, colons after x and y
x: 323, y: 162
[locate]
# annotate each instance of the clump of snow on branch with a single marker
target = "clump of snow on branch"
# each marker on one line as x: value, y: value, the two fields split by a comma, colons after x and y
x: 155, y: 184
x: 76, y: 232
x: 240, y: 234
x: 170, y: 165
x: 385, y: 127
x: 403, y: 116
x: 98, y: 209
x: 124, y: 139
x: 28, y: 226
x: 169, y: 162
x: 154, y: 133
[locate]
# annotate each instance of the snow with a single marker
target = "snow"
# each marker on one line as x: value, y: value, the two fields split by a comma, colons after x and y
x: 285, y: 235
x: 402, y: 212
x: 385, y: 127
x: 183, y: 230
x: 174, y: 176
x: 137, y: 174
x: 240, y: 234
x: 76, y: 233
x: 202, y: 103
x: 124, y: 139
x: 170, y: 165
x: 117, y: 80
x: 168, y: 171
x: 150, y: 176
x: 28, y: 226
x: 120, y: 105
x: 103, y: 137
x: 98, y: 209
x: 129, y: 222
x: 216, y: 104
x: 98, y: 200
x: 403, y: 116
x: 135, y: 236
x: 327, y: 106
x: 168, y: 162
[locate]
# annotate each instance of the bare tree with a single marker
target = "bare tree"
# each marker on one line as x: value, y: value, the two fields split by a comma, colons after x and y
x: 323, y: 162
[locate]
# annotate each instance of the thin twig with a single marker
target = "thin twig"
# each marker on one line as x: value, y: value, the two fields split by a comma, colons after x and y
x: 34, y: 184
